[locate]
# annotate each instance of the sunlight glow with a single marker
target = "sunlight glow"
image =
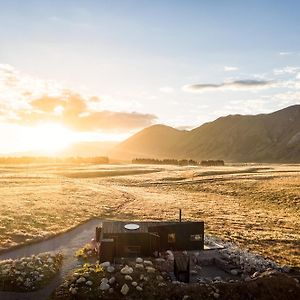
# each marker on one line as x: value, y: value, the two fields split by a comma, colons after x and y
x: 48, y: 137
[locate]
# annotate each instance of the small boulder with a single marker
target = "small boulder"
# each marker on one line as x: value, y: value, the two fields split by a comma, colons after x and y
x: 139, y: 266
x: 81, y: 280
x: 148, y: 263
x: 105, y: 264
x: 134, y: 283
x: 234, y: 272
x: 128, y: 277
x: 104, y: 280
x: 126, y: 270
x: 104, y: 286
x: 89, y: 283
x: 125, y: 289
x: 150, y: 270
x: 110, y: 269
x: 112, y: 280
x: 139, y: 288
x: 139, y: 260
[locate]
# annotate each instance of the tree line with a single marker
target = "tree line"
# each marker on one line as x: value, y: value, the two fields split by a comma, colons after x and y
x: 181, y: 162
x: 48, y: 159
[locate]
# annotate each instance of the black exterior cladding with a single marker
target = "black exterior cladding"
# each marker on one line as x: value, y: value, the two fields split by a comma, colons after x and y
x: 152, y: 237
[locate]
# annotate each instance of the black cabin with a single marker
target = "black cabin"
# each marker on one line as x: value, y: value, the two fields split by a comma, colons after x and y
x: 124, y: 239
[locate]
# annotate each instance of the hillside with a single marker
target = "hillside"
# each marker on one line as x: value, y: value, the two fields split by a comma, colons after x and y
x: 273, y: 137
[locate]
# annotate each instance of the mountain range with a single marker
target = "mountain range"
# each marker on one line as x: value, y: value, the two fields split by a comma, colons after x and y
x: 273, y: 137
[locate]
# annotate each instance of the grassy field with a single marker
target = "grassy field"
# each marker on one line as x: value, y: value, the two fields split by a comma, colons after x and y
x: 255, y: 206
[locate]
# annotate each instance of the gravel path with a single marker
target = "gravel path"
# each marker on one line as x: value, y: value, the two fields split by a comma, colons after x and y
x: 66, y: 243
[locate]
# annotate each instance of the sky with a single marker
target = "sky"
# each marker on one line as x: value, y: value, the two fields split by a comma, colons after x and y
x: 102, y: 70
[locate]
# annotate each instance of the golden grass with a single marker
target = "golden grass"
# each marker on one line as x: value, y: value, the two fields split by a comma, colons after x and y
x: 257, y: 207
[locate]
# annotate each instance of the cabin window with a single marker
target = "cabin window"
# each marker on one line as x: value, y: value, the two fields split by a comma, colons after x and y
x: 195, y: 237
x: 171, y: 238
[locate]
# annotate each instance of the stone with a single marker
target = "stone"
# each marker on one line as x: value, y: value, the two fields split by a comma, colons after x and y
x: 126, y: 270
x: 125, y: 289
x: 89, y: 283
x: 234, y: 272
x: 255, y: 274
x: 141, y: 276
x: 148, y: 263
x: 112, y: 280
x: 128, y: 277
x: 161, y: 284
x: 139, y: 260
x: 216, y: 295
x: 150, y: 270
x: 139, y: 288
x: 105, y: 264
x: 73, y: 290
x: 110, y: 269
x: 139, y: 266
x: 134, y: 283
x: 104, y: 280
x: 185, y: 297
x: 159, y: 278
x: 218, y: 278
x: 81, y: 280
x: 193, y: 272
x: 111, y: 290
x: 104, y: 286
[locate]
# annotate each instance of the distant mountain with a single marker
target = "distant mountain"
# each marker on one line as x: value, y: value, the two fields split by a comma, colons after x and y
x: 273, y: 137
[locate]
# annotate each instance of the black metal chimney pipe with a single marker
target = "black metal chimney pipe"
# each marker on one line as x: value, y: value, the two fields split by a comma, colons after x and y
x: 180, y: 215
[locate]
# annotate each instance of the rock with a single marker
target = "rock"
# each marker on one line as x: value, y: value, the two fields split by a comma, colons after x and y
x: 139, y: 260
x: 141, y: 276
x: 110, y: 269
x: 218, y: 278
x: 126, y: 270
x: 139, y: 288
x: 111, y: 290
x: 234, y: 272
x: 104, y: 280
x: 73, y: 290
x: 105, y: 264
x: 128, y: 277
x: 50, y: 260
x: 89, y: 283
x: 104, y: 286
x: 134, y: 283
x: 148, y: 263
x: 81, y: 280
x: 185, y: 297
x: 255, y: 274
x: 139, y: 266
x: 161, y: 284
x: 159, y: 278
x: 125, y: 289
x: 112, y: 280
x: 216, y: 295
x: 193, y: 272
x: 150, y: 270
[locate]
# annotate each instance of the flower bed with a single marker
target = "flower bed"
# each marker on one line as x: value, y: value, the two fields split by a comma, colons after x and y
x: 29, y: 273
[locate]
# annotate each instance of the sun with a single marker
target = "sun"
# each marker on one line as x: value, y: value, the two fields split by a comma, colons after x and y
x: 49, y: 138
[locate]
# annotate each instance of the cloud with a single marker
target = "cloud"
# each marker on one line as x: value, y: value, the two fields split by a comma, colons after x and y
x: 286, y: 70
x: 285, y: 53
x: 29, y: 101
x: 230, y: 68
x: 248, y: 84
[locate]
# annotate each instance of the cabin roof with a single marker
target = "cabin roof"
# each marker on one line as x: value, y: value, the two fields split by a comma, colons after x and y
x: 119, y: 226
